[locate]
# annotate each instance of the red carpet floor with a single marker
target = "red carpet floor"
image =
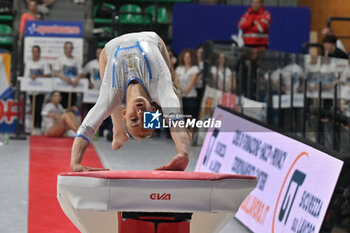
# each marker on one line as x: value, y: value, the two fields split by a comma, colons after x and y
x: 48, y: 158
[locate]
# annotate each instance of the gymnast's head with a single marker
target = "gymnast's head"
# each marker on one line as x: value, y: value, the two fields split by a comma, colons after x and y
x: 137, y: 102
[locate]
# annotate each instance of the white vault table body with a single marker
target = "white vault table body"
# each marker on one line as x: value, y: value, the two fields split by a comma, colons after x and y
x: 91, y: 199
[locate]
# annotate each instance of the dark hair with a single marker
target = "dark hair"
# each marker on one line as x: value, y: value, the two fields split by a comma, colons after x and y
x: 41, y: 14
x: 217, y: 58
x: 53, y: 92
x: 192, y: 55
x: 200, y: 46
x: 36, y: 47
x: 330, y: 39
x: 68, y: 42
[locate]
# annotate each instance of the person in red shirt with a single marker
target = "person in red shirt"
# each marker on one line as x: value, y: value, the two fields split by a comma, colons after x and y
x: 255, y: 24
x: 30, y: 15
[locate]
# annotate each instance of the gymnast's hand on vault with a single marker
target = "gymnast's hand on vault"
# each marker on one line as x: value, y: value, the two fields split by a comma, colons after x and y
x: 177, y: 163
x: 82, y: 168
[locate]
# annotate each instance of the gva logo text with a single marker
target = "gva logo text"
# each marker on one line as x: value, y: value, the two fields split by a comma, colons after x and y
x: 158, y: 196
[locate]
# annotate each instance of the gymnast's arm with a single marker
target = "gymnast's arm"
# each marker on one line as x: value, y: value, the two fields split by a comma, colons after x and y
x: 81, y: 142
x: 180, y: 135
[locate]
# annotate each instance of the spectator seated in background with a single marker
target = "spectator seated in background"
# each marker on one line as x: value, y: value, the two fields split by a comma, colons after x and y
x: 68, y: 68
x: 36, y: 68
x: 30, y: 15
x: 330, y: 47
x: 91, y: 70
x: 185, y: 81
x: 219, y: 71
x: 327, y: 31
x: 255, y: 24
x: 56, y: 121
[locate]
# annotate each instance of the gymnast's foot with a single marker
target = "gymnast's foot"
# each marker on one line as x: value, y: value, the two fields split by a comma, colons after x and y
x: 119, y: 140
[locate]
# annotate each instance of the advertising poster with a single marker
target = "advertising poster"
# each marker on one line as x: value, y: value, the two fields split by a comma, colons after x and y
x: 211, y: 98
x: 51, y: 36
x: 295, y: 180
x: 8, y: 105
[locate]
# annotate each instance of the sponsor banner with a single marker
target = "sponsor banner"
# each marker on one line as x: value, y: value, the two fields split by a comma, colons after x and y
x: 8, y: 104
x: 229, y: 100
x: 5, y: 77
x: 8, y: 112
x: 254, y: 109
x: 292, y: 195
x: 91, y: 96
x: 48, y: 28
x: 344, y: 92
x: 324, y: 95
x: 59, y: 85
x: 39, y: 84
x: 51, y: 36
x: 298, y: 101
x: 51, y: 84
x: 52, y: 48
x: 210, y: 100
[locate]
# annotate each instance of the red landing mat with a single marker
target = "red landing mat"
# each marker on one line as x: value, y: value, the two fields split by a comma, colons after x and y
x: 48, y: 158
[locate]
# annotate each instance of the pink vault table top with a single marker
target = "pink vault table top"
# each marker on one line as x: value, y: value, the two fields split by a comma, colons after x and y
x: 159, y: 175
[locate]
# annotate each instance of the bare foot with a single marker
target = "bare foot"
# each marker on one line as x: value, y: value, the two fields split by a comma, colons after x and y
x: 119, y: 140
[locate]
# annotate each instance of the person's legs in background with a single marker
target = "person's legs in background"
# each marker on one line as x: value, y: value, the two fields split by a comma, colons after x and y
x: 39, y: 100
x: 63, y: 123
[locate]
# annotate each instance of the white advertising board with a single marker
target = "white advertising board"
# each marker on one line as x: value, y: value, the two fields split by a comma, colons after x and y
x: 91, y: 96
x: 59, y: 85
x: 298, y: 101
x: 295, y: 180
x: 39, y: 84
x: 52, y: 84
x: 52, y: 48
x: 51, y: 35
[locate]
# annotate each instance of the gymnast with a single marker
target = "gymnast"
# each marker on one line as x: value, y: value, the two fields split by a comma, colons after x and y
x: 135, y: 70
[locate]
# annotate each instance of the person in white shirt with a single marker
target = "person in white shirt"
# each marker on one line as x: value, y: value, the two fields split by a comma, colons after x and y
x: 220, y: 71
x: 69, y: 69
x: 37, y: 68
x: 135, y: 70
x: 200, y: 81
x: 56, y: 121
x: 92, y: 70
x: 292, y: 70
x: 186, y: 80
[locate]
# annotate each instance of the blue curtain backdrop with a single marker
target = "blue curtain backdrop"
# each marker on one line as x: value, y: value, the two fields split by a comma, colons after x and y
x: 195, y: 23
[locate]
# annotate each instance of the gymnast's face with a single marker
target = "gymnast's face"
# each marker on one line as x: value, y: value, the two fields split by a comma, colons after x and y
x: 133, y: 116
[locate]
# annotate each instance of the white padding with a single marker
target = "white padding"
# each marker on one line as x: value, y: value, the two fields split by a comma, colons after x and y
x: 91, y: 203
x: 87, y: 193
